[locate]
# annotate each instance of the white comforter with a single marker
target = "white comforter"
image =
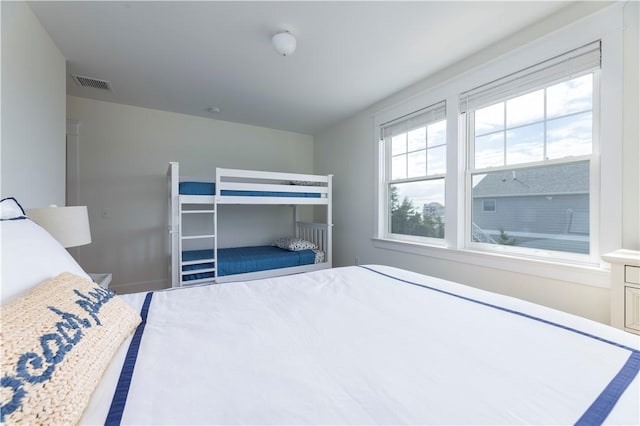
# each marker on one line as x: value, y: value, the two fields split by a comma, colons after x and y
x: 353, y: 346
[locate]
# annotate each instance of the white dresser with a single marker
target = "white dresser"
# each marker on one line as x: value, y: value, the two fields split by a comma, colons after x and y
x: 625, y: 289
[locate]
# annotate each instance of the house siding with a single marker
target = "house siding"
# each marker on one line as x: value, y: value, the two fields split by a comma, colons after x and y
x: 542, y: 214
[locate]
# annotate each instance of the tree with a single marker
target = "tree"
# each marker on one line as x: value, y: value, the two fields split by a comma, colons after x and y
x: 505, y: 238
x: 400, y: 217
x: 407, y: 220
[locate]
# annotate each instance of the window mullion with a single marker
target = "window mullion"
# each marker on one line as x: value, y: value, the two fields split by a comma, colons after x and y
x: 504, y: 134
x: 544, y: 126
x: 426, y: 150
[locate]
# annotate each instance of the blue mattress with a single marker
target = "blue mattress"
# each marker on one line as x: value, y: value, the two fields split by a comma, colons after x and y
x: 209, y: 188
x: 240, y: 260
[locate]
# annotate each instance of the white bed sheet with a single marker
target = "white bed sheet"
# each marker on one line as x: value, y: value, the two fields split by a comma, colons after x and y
x: 352, y: 346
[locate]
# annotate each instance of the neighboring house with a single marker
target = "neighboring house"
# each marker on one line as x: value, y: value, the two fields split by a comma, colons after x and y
x: 542, y: 208
x: 433, y: 209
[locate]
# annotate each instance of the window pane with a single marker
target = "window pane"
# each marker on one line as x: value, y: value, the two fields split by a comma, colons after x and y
x: 488, y: 206
x: 399, y: 144
x: 489, y: 150
x: 437, y: 160
x: 525, y: 144
x: 417, y: 166
x: 525, y: 109
x: 437, y: 133
x: 489, y: 119
x: 417, y: 208
x: 571, y: 96
x: 399, y: 167
x: 417, y: 138
x: 569, y: 136
x: 540, y: 207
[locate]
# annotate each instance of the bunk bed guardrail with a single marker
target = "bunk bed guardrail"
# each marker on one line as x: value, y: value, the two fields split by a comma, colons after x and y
x: 234, y: 186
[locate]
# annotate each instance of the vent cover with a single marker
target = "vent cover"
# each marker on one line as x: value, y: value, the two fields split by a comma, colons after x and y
x: 94, y: 83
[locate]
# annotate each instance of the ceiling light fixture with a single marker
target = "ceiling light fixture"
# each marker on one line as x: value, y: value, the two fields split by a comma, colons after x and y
x: 284, y: 42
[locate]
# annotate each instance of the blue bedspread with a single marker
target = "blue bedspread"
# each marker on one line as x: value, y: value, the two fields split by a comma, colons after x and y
x: 209, y: 188
x: 239, y: 260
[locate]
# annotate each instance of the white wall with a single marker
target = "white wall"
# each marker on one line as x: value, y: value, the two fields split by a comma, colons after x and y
x: 631, y: 130
x: 124, y: 153
x: 347, y: 150
x: 33, y: 110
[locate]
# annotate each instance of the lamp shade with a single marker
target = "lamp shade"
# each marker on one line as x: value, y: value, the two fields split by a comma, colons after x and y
x: 68, y: 225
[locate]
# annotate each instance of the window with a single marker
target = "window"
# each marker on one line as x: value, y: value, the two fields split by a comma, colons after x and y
x: 489, y: 206
x: 530, y: 143
x: 533, y: 151
x: 414, y: 149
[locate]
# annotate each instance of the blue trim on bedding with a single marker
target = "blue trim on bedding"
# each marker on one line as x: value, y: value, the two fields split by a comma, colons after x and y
x: 16, y: 218
x: 602, y: 406
x: 122, y: 389
x: 271, y: 194
x: 604, y: 403
x: 209, y: 188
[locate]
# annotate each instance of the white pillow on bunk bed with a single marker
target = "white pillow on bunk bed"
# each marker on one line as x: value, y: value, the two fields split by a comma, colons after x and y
x: 10, y: 209
x: 30, y: 255
x: 294, y: 244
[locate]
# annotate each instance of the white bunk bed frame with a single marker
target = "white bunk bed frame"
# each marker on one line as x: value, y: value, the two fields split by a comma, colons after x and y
x: 245, y: 180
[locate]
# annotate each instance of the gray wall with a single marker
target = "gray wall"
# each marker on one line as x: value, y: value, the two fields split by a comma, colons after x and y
x: 33, y: 110
x: 124, y: 153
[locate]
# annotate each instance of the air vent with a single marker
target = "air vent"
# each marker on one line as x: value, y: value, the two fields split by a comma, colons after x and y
x: 94, y: 83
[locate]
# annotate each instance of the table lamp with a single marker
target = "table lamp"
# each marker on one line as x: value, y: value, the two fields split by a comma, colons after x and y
x: 69, y: 225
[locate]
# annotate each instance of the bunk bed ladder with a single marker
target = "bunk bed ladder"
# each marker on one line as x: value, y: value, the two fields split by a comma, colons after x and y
x: 174, y: 230
x: 207, y: 264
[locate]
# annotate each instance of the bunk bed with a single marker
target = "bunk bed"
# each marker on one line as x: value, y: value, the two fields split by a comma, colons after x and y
x: 308, y: 248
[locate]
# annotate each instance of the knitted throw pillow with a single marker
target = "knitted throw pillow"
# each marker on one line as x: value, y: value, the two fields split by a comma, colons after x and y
x: 56, y: 341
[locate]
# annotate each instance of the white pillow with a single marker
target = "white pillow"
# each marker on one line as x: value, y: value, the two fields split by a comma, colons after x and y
x: 30, y: 255
x: 10, y: 209
x: 294, y: 244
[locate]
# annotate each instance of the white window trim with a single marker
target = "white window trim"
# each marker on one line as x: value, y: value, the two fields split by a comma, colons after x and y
x: 594, y: 183
x: 605, y: 25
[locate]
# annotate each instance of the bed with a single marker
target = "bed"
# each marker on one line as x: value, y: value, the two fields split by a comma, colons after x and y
x: 243, y: 260
x: 353, y: 345
x: 189, y: 196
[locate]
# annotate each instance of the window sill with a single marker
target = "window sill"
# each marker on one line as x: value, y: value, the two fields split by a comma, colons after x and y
x: 596, y: 276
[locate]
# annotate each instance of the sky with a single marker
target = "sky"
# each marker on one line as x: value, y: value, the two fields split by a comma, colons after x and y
x: 545, y: 124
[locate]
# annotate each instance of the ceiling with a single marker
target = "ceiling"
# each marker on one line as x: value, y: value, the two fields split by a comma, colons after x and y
x: 187, y: 57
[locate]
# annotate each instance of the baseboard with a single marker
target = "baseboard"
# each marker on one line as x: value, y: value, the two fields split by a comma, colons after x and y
x: 141, y: 286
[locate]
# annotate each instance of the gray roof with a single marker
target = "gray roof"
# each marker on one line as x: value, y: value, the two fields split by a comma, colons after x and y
x: 559, y: 179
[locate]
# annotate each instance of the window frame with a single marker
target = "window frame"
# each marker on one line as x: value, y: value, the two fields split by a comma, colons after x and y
x: 593, y: 257
x: 605, y: 25
x: 484, y: 207
x: 383, y: 172
x: 386, y: 158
